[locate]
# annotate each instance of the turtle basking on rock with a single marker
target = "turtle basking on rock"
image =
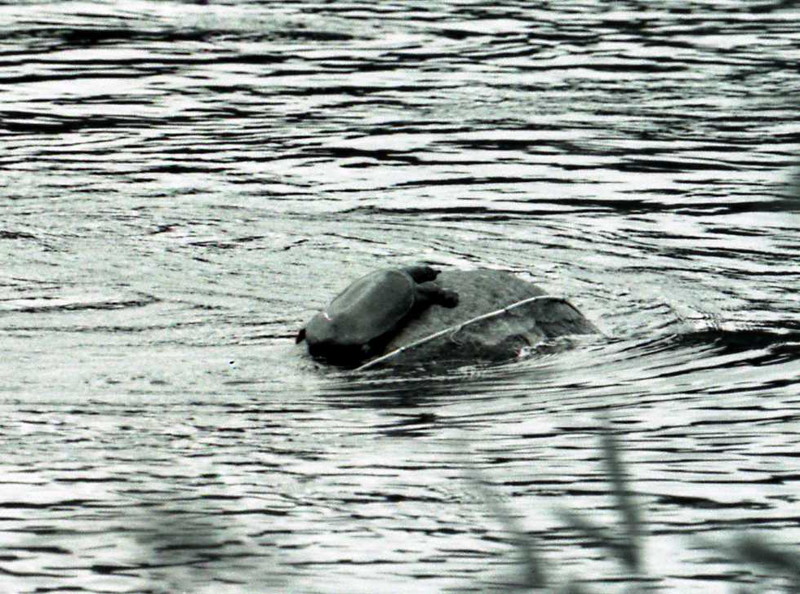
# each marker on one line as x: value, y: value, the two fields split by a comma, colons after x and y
x: 363, y: 318
x: 385, y: 320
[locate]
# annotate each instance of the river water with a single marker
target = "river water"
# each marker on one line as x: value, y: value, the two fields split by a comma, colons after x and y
x: 183, y: 184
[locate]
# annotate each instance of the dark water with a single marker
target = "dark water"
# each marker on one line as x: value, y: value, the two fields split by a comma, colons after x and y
x: 182, y: 185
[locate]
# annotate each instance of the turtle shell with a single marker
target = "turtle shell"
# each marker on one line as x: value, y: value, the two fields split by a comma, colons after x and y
x: 369, y: 308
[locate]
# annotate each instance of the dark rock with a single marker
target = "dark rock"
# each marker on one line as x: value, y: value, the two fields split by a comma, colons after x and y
x: 498, y: 315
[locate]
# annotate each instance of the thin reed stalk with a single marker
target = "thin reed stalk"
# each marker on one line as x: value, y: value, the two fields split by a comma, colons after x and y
x: 631, y: 524
x: 524, y: 543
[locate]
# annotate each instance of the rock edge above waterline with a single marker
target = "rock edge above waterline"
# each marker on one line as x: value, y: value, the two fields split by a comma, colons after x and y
x: 509, y: 319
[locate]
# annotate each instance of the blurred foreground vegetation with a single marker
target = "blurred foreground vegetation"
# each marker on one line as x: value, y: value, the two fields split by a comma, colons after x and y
x: 624, y: 542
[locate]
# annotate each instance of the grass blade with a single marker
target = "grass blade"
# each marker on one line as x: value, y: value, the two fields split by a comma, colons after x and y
x: 599, y: 535
x: 524, y: 543
x: 758, y: 551
x: 631, y: 542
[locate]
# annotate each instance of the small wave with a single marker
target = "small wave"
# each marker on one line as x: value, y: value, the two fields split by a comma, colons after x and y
x: 54, y: 303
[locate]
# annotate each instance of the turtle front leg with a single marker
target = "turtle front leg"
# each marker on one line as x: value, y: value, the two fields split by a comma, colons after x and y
x: 430, y: 293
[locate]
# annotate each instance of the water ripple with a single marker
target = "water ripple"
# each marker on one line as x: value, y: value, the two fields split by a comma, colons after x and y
x: 186, y: 183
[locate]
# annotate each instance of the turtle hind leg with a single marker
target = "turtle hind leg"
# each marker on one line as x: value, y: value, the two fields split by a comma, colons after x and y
x: 421, y: 273
x: 431, y: 293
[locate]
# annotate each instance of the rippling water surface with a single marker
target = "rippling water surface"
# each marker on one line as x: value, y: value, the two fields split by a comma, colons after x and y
x: 182, y: 185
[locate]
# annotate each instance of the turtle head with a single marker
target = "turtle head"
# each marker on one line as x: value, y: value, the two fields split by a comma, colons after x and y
x: 301, y: 336
x: 421, y: 273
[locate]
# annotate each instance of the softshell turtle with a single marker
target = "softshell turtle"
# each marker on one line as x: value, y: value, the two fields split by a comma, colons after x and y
x: 359, y: 321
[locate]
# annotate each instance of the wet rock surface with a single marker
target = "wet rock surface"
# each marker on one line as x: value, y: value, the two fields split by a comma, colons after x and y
x: 498, y: 316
